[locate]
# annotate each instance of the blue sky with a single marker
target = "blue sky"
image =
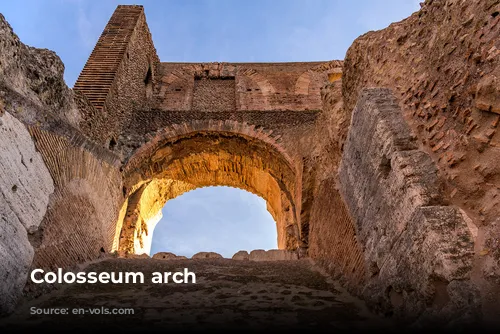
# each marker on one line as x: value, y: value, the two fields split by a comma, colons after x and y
x: 217, y: 218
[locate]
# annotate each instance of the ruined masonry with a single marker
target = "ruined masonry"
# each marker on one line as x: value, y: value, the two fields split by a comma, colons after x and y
x: 382, y: 168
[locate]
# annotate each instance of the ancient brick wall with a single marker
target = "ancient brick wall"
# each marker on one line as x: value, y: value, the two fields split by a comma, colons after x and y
x: 258, y: 86
x: 80, y: 222
x: 332, y: 237
x: 215, y: 153
x: 119, y: 75
x: 443, y: 63
x: 416, y: 248
x: 214, y: 95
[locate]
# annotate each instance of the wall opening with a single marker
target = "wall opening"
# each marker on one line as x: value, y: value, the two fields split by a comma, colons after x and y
x: 148, y: 82
x: 216, y: 219
x: 170, y: 166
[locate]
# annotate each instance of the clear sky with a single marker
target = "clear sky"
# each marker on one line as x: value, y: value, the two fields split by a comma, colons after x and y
x: 217, y: 218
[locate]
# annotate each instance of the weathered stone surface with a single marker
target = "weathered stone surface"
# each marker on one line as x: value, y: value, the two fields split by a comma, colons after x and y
x: 383, y: 227
x: 168, y: 256
x: 31, y: 82
x: 272, y: 255
x: 83, y: 210
x: 332, y: 239
x: 432, y: 257
x: 414, y: 246
x: 207, y: 255
x: 25, y: 186
x: 443, y: 63
x: 381, y: 154
x: 488, y: 94
x: 241, y: 255
x: 193, y: 159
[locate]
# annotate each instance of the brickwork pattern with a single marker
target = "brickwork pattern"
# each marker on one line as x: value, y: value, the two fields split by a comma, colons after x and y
x: 99, y: 73
x: 83, y: 210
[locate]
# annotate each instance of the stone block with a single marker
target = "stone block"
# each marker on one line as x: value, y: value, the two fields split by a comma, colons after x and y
x: 207, y: 255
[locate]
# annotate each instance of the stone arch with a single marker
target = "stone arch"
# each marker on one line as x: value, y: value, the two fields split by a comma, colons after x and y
x: 302, y: 84
x: 311, y: 81
x: 254, y: 90
x: 185, y: 157
x: 173, y: 89
x: 265, y: 86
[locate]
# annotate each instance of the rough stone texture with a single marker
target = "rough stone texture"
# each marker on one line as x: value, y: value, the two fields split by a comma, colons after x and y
x: 168, y: 256
x: 203, y: 159
x: 25, y: 186
x: 241, y: 255
x: 119, y: 75
x: 137, y: 132
x: 414, y: 245
x: 272, y: 255
x: 332, y: 235
x: 207, y: 255
x: 426, y: 275
x: 134, y: 256
x: 443, y: 62
x: 83, y: 211
x: 214, y: 94
x: 65, y: 190
x: 35, y: 77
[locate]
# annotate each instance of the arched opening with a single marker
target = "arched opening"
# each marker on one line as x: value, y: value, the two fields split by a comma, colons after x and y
x: 169, y: 166
x: 224, y: 220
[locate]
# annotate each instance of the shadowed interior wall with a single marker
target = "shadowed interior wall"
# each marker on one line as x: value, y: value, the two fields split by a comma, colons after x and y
x: 80, y: 222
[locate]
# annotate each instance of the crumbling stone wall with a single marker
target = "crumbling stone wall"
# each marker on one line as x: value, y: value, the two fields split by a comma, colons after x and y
x: 418, y: 250
x: 137, y: 132
x: 25, y: 187
x: 119, y: 76
x: 56, y: 210
x: 443, y: 64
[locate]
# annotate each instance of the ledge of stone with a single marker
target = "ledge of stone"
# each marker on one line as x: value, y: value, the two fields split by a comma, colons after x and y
x: 168, y: 256
x: 270, y: 255
x: 207, y: 255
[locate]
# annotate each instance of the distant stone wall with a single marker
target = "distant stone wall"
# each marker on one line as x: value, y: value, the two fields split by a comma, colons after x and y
x: 418, y: 251
x: 258, y: 86
x: 214, y: 95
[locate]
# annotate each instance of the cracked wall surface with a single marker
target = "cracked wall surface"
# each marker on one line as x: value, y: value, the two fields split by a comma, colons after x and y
x: 25, y: 186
